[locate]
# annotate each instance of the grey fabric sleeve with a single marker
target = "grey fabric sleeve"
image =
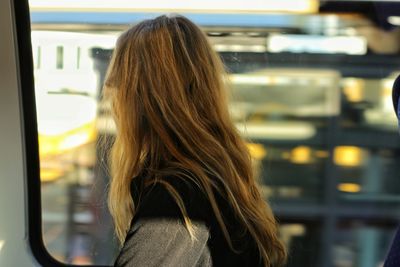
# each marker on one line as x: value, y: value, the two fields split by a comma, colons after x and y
x: 165, y: 242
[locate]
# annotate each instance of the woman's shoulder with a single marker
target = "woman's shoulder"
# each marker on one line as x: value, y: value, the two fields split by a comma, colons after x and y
x: 163, y: 197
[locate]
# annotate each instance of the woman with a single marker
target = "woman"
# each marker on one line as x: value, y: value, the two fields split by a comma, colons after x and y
x: 182, y: 190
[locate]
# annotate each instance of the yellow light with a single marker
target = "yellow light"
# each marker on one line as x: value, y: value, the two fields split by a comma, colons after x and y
x: 47, y: 145
x: 1, y: 244
x: 301, y: 155
x: 257, y: 151
x: 349, y: 156
x: 354, y: 89
x: 49, y: 175
x: 349, y: 187
x: 294, y: 229
x: 50, y: 145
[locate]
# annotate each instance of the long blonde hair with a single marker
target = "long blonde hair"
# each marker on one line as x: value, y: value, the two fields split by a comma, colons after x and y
x: 167, y: 89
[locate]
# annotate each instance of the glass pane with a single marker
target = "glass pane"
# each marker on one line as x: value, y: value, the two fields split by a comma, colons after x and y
x: 369, y: 175
x: 359, y: 243
x: 76, y: 224
x: 310, y: 91
x: 286, y: 113
x: 368, y: 167
x: 293, y: 173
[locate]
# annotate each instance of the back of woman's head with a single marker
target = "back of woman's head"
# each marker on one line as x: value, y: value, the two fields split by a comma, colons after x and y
x: 167, y: 91
x: 169, y: 63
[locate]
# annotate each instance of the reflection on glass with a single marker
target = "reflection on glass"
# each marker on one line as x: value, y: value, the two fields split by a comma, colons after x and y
x: 76, y: 224
x: 313, y: 92
x: 368, y: 174
x: 293, y: 173
x: 368, y: 103
x: 361, y: 244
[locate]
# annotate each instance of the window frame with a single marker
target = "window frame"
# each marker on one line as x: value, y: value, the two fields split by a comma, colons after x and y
x: 30, y: 134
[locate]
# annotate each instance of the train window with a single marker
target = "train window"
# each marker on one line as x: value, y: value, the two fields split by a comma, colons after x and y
x: 310, y: 87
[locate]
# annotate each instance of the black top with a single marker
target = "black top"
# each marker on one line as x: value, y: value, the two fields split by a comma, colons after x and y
x: 158, y: 236
x: 396, y: 95
x: 393, y: 257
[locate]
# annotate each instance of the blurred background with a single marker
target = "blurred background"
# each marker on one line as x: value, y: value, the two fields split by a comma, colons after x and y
x: 311, y: 92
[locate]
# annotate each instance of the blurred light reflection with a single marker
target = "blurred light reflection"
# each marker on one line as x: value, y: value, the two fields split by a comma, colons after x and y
x: 349, y: 187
